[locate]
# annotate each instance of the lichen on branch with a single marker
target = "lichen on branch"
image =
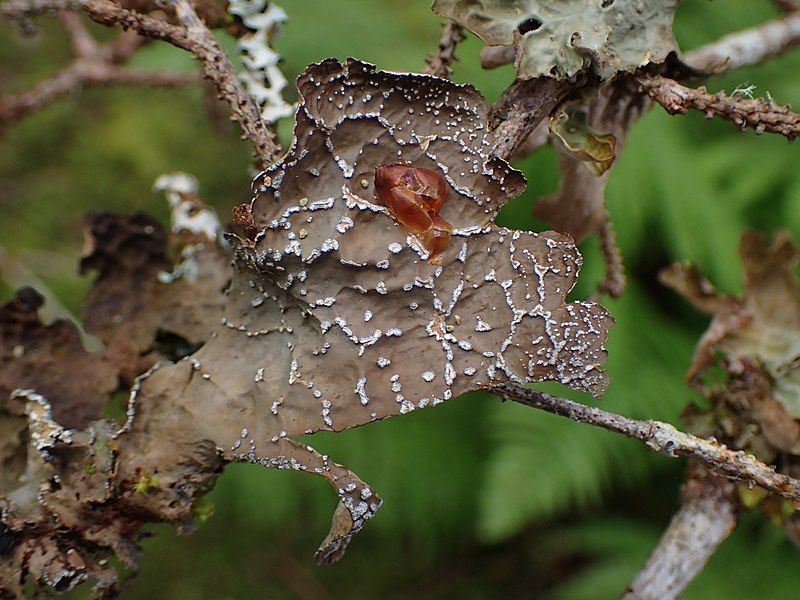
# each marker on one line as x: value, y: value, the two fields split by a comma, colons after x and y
x: 566, y: 38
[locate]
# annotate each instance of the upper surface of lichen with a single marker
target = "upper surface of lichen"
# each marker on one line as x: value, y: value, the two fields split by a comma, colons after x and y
x: 564, y: 38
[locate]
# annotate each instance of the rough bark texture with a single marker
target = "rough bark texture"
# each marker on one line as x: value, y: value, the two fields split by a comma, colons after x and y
x: 755, y: 113
x: 440, y: 62
x: 524, y: 105
x: 707, y: 516
x: 662, y: 438
x: 747, y: 47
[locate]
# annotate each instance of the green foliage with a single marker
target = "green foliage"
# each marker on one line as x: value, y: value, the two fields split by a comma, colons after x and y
x: 756, y: 561
x: 545, y: 466
x: 459, y: 478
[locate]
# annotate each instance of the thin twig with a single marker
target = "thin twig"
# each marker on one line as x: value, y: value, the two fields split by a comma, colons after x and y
x: 524, y: 105
x: 95, y: 65
x: 756, y: 113
x: 661, y: 437
x: 82, y: 74
x: 83, y: 44
x: 440, y: 62
x: 747, y: 47
x: 707, y: 516
x: 25, y: 8
x: 195, y: 37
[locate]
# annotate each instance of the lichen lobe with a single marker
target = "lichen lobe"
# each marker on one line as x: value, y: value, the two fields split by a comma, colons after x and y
x: 562, y: 39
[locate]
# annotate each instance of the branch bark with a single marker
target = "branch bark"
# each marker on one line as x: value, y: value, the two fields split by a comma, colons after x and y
x: 662, y: 438
x: 747, y: 47
x: 524, y: 104
x: 440, y: 62
x: 79, y: 74
x: 707, y: 516
x: 195, y: 37
x: 756, y: 113
x: 95, y: 65
x: 23, y: 8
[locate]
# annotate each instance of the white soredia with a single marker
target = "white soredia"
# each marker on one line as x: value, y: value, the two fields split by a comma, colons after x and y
x: 261, y: 76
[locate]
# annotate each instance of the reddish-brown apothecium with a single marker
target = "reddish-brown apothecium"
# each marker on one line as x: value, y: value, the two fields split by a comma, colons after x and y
x: 414, y: 197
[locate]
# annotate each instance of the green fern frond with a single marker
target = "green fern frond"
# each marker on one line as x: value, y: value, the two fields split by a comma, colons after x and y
x: 542, y: 465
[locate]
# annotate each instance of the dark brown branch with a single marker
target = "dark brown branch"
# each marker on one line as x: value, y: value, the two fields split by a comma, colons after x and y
x: 747, y: 47
x: 524, y: 105
x: 195, y: 37
x: 756, y: 113
x: 440, y: 62
x: 661, y: 437
x: 707, y: 516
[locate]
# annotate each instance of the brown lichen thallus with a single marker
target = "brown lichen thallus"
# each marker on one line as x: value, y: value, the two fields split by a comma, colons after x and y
x: 414, y: 197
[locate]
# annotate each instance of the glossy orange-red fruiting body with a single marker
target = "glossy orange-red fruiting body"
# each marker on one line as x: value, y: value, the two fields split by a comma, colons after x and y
x: 415, y: 196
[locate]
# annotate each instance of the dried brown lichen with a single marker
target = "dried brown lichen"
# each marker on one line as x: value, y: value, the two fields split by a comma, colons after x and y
x: 52, y: 359
x: 763, y: 324
x: 755, y: 335
x: 154, y: 295
x: 334, y: 318
x: 578, y: 206
x: 336, y: 315
x: 63, y: 506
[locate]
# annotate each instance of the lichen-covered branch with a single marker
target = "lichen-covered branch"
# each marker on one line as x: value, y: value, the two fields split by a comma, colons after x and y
x: 747, y: 47
x: 707, y: 516
x: 518, y: 111
x: 756, y: 113
x: 195, y: 37
x: 441, y: 61
x: 662, y: 438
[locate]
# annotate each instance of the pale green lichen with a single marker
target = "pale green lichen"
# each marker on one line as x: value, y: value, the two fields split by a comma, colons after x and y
x: 571, y: 131
x: 563, y: 38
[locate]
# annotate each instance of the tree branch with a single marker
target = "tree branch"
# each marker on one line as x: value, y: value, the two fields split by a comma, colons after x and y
x: 747, y: 47
x: 78, y: 75
x: 707, y: 516
x: 96, y: 65
x: 660, y: 437
x: 756, y: 113
x: 520, y: 108
x: 195, y: 37
x: 16, y: 9
x: 439, y: 63
x: 83, y: 44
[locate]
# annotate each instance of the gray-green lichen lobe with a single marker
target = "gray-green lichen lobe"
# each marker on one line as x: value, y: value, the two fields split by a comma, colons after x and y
x: 563, y: 38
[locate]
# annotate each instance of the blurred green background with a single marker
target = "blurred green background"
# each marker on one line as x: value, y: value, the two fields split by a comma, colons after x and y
x: 481, y: 499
